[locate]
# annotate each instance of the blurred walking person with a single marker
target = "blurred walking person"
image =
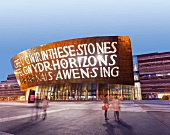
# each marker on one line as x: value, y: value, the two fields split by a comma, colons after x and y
x: 37, y: 101
x: 106, y: 105
x: 35, y: 113
x: 45, y: 103
x: 116, y: 107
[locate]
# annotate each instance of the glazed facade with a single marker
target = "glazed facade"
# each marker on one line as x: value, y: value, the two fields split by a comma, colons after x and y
x: 85, y: 91
x: 137, y: 85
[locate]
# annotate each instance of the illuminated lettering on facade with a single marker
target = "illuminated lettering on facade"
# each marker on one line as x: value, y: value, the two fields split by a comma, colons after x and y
x: 70, y: 61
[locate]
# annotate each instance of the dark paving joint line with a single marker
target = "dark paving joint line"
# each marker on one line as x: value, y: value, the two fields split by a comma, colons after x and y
x: 158, y: 115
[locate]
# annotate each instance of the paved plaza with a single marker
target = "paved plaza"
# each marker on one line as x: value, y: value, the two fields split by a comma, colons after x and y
x: 86, y: 118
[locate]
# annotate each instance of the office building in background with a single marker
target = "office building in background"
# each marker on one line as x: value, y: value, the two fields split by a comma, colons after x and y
x: 9, y: 90
x: 154, y: 74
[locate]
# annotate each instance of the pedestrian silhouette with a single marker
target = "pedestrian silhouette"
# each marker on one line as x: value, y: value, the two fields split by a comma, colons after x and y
x: 106, y: 105
x: 45, y: 105
x: 116, y: 107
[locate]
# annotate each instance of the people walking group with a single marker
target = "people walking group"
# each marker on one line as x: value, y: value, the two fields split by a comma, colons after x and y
x: 115, y: 107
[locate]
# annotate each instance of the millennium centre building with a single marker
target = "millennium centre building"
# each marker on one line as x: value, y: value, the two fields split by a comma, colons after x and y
x: 77, y: 69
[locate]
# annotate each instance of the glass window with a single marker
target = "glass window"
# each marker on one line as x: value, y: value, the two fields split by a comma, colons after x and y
x: 136, y: 78
x: 135, y: 67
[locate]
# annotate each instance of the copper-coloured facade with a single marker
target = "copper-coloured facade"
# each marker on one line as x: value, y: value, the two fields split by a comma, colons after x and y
x: 105, y: 59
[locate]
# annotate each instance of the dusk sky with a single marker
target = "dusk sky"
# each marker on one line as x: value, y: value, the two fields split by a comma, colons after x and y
x: 28, y: 23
